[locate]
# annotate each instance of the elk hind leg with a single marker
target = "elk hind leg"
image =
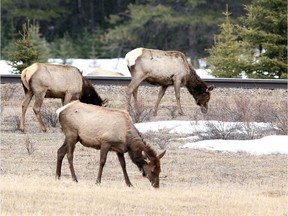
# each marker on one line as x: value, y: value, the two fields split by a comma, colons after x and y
x: 123, y: 165
x: 70, y: 142
x: 62, y: 151
x: 28, y: 97
x: 133, y: 89
x: 37, y: 107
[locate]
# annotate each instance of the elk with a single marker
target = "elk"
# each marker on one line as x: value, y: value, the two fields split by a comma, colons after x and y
x: 102, y: 72
x: 165, y: 68
x: 105, y: 129
x: 55, y: 81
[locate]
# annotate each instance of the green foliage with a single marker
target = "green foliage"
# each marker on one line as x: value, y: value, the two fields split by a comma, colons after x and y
x: 39, y: 43
x: 228, y: 56
x: 265, y: 29
x: 24, y: 54
x: 109, y: 28
x: 63, y: 48
x: 163, y: 26
x: 262, y: 50
x: 89, y: 45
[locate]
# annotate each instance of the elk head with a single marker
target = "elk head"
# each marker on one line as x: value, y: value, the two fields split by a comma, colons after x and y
x: 152, y: 168
x: 203, y: 99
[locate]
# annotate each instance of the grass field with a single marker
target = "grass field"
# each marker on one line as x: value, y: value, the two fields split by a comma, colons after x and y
x: 193, y: 182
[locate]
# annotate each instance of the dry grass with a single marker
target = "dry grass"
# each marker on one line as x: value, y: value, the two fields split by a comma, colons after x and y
x: 42, y: 196
x: 193, y: 182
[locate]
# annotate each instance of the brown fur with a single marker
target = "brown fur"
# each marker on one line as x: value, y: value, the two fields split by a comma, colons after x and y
x: 55, y: 81
x: 108, y: 130
x: 165, y: 68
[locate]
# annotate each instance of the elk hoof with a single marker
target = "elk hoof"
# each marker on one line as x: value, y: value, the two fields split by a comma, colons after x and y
x: 204, y: 110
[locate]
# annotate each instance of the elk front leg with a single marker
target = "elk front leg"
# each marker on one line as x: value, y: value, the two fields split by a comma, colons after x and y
x: 123, y: 165
x: 177, y: 85
x: 67, y: 99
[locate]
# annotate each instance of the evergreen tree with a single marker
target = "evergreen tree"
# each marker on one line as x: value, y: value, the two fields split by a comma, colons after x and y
x: 89, y: 45
x: 39, y: 43
x: 265, y: 29
x: 63, y: 48
x: 228, y: 56
x: 25, y: 54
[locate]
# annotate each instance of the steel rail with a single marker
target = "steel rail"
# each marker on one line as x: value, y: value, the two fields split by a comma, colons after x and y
x: 217, y: 82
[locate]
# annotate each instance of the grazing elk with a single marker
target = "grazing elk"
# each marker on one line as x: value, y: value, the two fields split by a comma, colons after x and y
x: 102, y: 72
x: 55, y: 81
x: 165, y: 68
x: 108, y: 130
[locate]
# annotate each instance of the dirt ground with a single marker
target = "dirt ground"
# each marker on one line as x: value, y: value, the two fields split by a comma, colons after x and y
x: 193, y: 182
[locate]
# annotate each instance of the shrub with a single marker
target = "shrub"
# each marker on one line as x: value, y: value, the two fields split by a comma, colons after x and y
x: 49, y: 117
x: 140, y: 113
x: 29, y: 146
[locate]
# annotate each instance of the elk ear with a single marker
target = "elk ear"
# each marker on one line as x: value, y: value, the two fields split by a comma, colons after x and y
x: 162, y: 154
x: 210, y: 88
x: 105, y: 102
x: 145, y: 157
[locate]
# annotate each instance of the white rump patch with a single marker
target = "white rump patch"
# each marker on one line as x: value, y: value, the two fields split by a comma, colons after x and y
x: 58, y: 111
x: 132, y: 56
x: 27, y: 74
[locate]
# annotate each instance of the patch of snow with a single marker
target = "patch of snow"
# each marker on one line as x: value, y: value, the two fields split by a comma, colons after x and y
x: 266, y: 145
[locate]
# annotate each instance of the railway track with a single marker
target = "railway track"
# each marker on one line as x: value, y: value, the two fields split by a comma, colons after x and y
x: 218, y: 82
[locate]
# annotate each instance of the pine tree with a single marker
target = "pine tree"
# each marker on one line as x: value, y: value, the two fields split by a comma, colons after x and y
x: 63, y: 48
x: 228, y: 55
x: 265, y: 29
x: 39, y: 43
x: 25, y: 54
x: 29, y: 49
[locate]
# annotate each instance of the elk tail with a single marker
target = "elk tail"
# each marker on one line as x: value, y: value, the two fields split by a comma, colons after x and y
x: 26, y: 75
x: 25, y: 84
x: 132, y: 56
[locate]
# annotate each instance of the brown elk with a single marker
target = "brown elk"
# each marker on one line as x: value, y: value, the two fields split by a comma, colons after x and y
x: 55, y: 81
x: 165, y: 68
x: 108, y: 130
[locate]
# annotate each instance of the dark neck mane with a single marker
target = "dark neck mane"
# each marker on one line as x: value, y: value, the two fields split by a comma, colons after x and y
x: 195, y: 84
x: 89, y: 94
x: 136, y: 145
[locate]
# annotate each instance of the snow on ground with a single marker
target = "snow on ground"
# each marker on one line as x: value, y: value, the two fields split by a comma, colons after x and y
x: 189, y: 127
x: 88, y: 65
x: 266, y: 145
x: 5, y: 68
